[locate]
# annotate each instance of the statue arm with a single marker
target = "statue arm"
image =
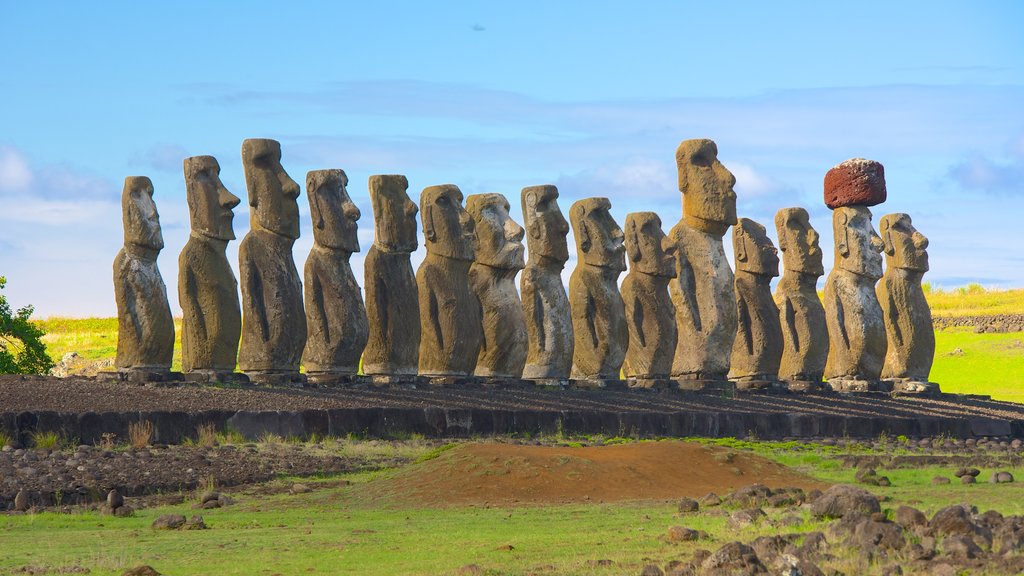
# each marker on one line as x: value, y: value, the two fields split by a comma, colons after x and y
x: 257, y: 306
x: 789, y: 319
x: 318, y: 313
x: 687, y: 286
x: 744, y: 323
x: 638, y: 321
x: 187, y: 294
x: 892, y: 318
x: 841, y: 321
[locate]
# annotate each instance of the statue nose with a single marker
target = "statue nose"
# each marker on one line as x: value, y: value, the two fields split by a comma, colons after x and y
x: 920, y: 241
x: 352, y: 211
x: 517, y: 232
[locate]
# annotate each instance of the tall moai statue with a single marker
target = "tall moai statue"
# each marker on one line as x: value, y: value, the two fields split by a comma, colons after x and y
x: 211, y: 323
x: 145, y: 329
x: 804, y: 332
x: 650, y: 314
x: 598, y: 312
x: 498, y: 258
x: 908, y: 319
x: 273, y: 319
x: 757, y: 351
x: 703, y: 291
x: 336, y: 324
x: 392, y: 299
x: 856, y: 329
x: 450, y: 323
x: 545, y: 303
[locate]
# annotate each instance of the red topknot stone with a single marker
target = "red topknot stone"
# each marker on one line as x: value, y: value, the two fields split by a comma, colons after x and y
x: 855, y: 182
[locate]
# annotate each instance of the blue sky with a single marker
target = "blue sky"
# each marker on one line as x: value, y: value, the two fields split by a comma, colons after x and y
x: 591, y: 96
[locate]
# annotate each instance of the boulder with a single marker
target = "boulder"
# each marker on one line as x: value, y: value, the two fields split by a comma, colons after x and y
x: 885, y: 535
x: 968, y: 480
x: 688, y: 505
x: 961, y: 546
x: 744, y: 518
x: 114, y: 500
x: 734, y: 557
x: 141, y: 571
x: 710, y: 499
x: 651, y: 570
x: 910, y: 518
x: 841, y: 500
x: 21, y: 501
x: 169, y: 522
x: 940, y: 480
x: 682, y: 534
x: 855, y: 182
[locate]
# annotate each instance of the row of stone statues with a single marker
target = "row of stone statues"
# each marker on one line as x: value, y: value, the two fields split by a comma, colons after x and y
x: 681, y: 315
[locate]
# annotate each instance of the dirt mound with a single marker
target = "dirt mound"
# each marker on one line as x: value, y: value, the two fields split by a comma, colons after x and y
x: 489, y: 473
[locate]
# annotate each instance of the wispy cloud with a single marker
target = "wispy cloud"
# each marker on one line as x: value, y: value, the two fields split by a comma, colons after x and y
x: 999, y: 175
x: 162, y: 157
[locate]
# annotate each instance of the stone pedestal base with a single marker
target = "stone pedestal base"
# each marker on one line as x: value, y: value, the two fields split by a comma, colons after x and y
x: 706, y: 384
x: 910, y: 387
x: 850, y: 384
x: 650, y: 383
x: 142, y: 377
x: 284, y: 379
x: 597, y: 384
x: 760, y: 384
x: 215, y: 377
x: 805, y: 385
x: 407, y: 380
x: 449, y: 380
x: 559, y: 383
x: 329, y: 379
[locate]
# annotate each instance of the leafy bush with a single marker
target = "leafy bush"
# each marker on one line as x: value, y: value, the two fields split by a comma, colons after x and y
x: 21, y: 350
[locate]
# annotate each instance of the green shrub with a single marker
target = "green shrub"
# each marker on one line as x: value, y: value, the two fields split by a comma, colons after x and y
x: 21, y: 350
x: 46, y: 440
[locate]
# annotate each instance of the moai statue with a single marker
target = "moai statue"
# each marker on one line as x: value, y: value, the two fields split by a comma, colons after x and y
x: 757, y: 351
x: 498, y: 258
x: 273, y: 320
x: 145, y: 329
x: 392, y: 300
x: 336, y: 325
x: 598, y: 312
x: 804, y: 333
x: 450, y: 323
x: 650, y: 315
x: 908, y: 319
x: 545, y: 303
x: 703, y: 292
x: 211, y: 321
x: 856, y: 329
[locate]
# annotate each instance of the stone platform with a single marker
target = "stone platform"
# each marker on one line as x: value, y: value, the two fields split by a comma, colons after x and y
x: 87, y: 408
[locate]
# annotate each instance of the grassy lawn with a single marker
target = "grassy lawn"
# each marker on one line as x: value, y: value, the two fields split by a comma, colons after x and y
x: 985, y: 363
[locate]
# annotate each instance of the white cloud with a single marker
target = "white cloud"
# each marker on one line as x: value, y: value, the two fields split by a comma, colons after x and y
x: 750, y: 182
x: 15, y: 174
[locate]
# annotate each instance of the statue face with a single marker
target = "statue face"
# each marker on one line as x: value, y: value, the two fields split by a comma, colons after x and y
x: 547, y: 228
x: 755, y: 252
x: 138, y: 214
x: 599, y: 240
x: 499, y: 240
x: 272, y: 193
x: 394, y: 214
x: 709, y: 202
x: 650, y: 250
x: 858, y: 246
x: 905, y: 247
x: 447, y: 227
x: 798, y: 241
x: 210, y: 204
x: 333, y: 212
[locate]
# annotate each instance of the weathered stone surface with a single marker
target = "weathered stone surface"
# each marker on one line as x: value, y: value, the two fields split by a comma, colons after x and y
x: 145, y: 329
x: 273, y: 319
x: 908, y: 318
x: 499, y: 256
x: 703, y: 291
x: 598, y: 312
x: 757, y: 350
x: 336, y: 320
x: 801, y: 314
x: 169, y: 522
x: 392, y: 299
x: 855, y: 182
x: 650, y: 315
x: 211, y: 323
x: 856, y: 329
x: 840, y: 501
x: 450, y: 318
x: 545, y: 302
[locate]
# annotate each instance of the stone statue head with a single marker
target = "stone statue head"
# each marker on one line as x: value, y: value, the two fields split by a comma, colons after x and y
x: 272, y: 193
x: 858, y: 246
x: 546, y: 227
x: 447, y: 228
x: 138, y: 214
x: 394, y: 213
x: 754, y: 251
x: 798, y: 241
x: 599, y: 240
x: 499, y: 240
x: 650, y: 251
x: 333, y: 212
x: 905, y: 247
x: 210, y: 204
x: 709, y: 202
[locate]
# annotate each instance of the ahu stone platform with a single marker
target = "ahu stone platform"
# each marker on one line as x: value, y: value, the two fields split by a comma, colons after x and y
x: 86, y: 409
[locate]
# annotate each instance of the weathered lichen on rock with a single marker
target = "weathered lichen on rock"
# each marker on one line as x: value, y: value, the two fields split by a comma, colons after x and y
x: 498, y: 258
x: 335, y: 317
x: 145, y: 329
x: 757, y: 351
x: 450, y: 325
x: 545, y: 302
x: 801, y: 314
x: 650, y: 315
x: 392, y: 299
x: 211, y: 323
x: 273, y: 319
x: 703, y: 292
x: 598, y: 312
x: 855, y: 182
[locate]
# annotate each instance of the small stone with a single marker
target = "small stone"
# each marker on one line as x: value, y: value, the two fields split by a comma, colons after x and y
x: 968, y: 480
x: 855, y: 182
x: 841, y: 500
x: 710, y: 499
x: 682, y: 534
x: 141, y: 571
x: 884, y: 481
x: 169, y: 522
x: 210, y: 505
x: 114, y: 500
x: 299, y: 489
x: 961, y: 546
x: 124, y: 511
x: 688, y: 505
x: 652, y: 570
x: 910, y: 518
x: 940, y: 480
x: 209, y: 496
x: 21, y: 501
x: 744, y: 518
x: 1004, y: 477
x: 195, y: 523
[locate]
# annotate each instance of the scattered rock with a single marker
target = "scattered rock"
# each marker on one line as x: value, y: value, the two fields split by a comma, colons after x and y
x: 21, y: 501
x: 961, y: 472
x: 1004, y: 477
x: 652, y: 570
x: 470, y: 570
x: 688, y: 505
x: 710, y: 499
x: 114, y: 500
x: 735, y: 557
x: 299, y: 489
x: 940, y: 480
x: 748, y: 496
x: 961, y: 546
x: 968, y: 480
x: 195, y: 523
x: 871, y: 533
x: 209, y: 496
x: 841, y: 500
x: 682, y: 534
x: 141, y: 571
x: 910, y: 518
x: 169, y: 522
x: 747, y: 517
